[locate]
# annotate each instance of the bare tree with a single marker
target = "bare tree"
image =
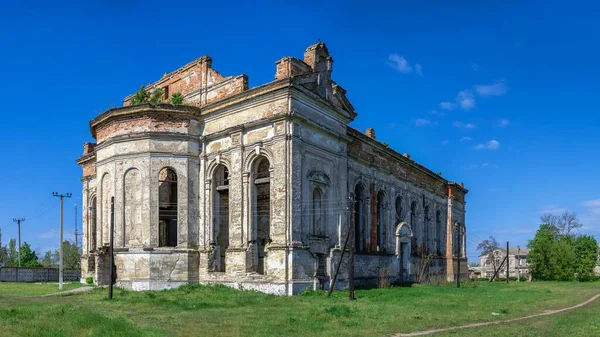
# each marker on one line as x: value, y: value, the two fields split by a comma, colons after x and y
x: 488, y: 247
x: 550, y: 219
x: 565, y: 223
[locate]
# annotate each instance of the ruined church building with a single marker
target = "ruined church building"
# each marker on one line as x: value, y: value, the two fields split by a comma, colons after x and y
x: 258, y: 188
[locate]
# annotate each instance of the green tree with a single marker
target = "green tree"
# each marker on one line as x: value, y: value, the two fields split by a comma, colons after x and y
x: 49, y: 261
x: 140, y: 97
x: 12, y: 255
x: 2, y: 250
x: 71, y: 256
x: 157, y: 96
x: 28, y: 257
x: 586, y: 254
x: 542, y: 255
x: 563, y: 268
x: 177, y: 98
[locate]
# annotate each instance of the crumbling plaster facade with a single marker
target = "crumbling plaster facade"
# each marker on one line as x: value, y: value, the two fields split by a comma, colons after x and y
x: 260, y: 188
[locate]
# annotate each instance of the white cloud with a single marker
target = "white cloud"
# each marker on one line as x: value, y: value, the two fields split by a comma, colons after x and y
x: 593, y: 206
x: 496, y: 89
x: 475, y: 66
x: 437, y: 113
x: 465, y: 139
x: 447, y: 105
x: 465, y: 100
x: 491, y: 145
x: 461, y: 125
x: 483, y: 165
x: 418, y: 69
x: 592, y: 203
x: 445, y: 142
x: 423, y: 122
x: 399, y: 63
x: 503, y: 123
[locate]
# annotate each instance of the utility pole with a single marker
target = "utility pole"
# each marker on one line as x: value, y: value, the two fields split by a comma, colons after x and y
x: 337, y: 270
x: 111, y: 249
x: 507, y: 264
x: 77, y: 235
x: 458, y: 250
x: 519, y: 264
x: 60, y: 245
x: 351, y: 257
x: 18, y: 221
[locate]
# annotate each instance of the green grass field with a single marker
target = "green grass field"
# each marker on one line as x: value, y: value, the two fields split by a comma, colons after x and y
x: 220, y: 311
x: 33, y: 289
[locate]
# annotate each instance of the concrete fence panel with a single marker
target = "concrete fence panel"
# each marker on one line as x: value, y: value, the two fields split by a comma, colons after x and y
x: 23, y: 274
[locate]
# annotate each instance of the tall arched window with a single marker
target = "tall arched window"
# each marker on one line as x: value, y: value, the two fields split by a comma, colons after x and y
x: 92, y: 232
x: 359, y: 224
x: 399, y: 210
x: 167, y: 208
x: 426, y: 224
x: 221, y: 212
x: 413, y: 218
x: 317, y: 213
x: 262, y: 209
x: 381, y: 233
x: 438, y: 232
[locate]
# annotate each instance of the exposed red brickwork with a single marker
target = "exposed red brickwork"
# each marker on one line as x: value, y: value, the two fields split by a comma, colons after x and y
x: 88, y: 148
x: 228, y: 88
x: 198, y: 82
x: 289, y: 66
x: 365, y: 149
x: 159, y: 123
x: 89, y: 168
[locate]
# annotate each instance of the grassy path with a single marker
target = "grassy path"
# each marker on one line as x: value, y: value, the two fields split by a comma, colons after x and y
x: 474, y: 325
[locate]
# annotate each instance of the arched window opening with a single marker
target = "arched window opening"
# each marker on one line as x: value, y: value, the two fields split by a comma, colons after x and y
x: 262, y: 209
x: 413, y: 226
x: 438, y: 232
x: 92, y: 233
x: 381, y: 233
x: 167, y: 208
x: 399, y: 208
x: 317, y: 213
x: 426, y: 225
x: 359, y: 225
x: 221, y: 212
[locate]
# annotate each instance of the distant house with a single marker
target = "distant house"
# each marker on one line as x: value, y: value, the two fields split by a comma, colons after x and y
x: 474, y: 272
x: 517, y: 263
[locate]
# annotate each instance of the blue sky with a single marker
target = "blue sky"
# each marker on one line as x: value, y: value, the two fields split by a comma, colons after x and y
x: 501, y: 96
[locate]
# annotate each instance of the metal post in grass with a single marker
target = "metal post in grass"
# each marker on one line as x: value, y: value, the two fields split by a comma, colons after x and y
x: 337, y: 270
x: 457, y: 226
x: 507, y: 263
x: 111, y: 256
